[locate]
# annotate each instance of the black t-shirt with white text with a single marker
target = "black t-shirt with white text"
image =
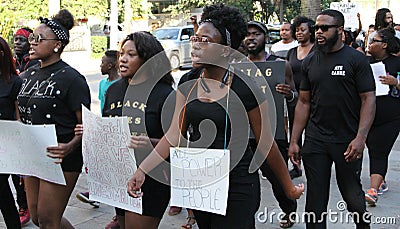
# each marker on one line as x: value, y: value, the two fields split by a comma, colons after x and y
x: 335, y: 81
x: 52, y: 95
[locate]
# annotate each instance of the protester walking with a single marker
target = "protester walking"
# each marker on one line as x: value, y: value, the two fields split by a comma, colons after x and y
x: 53, y: 93
x: 386, y: 126
x: 10, y: 85
x: 337, y: 107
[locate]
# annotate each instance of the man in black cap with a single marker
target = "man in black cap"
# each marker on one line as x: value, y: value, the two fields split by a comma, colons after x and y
x: 255, y: 40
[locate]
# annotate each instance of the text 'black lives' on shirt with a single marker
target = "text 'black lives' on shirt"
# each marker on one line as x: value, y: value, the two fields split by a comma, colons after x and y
x: 335, y: 81
x: 52, y: 95
x: 143, y: 104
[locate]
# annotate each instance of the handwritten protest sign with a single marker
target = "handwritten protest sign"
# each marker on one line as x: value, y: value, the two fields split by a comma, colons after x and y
x: 267, y: 75
x: 109, y: 161
x: 23, y: 151
x: 349, y: 11
x: 200, y: 179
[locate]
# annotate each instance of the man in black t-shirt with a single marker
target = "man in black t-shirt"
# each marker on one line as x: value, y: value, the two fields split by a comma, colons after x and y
x: 254, y: 42
x: 336, y: 106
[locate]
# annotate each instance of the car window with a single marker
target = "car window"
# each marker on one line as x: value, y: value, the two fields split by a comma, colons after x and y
x: 189, y: 32
x: 166, y: 34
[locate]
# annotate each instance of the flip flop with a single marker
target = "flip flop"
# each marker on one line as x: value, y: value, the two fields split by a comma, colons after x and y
x: 190, y: 222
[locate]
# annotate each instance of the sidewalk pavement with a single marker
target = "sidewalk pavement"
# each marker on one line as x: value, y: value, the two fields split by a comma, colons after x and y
x: 84, y: 216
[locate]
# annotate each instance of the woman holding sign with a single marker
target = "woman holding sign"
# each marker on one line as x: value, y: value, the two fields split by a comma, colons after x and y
x: 386, y: 126
x: 53, y: 93
x: 10, y: 84
x: 141, y: 95
x: 216, y: 107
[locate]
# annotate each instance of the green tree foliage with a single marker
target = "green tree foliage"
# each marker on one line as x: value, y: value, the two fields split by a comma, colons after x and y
x: 85, y: 8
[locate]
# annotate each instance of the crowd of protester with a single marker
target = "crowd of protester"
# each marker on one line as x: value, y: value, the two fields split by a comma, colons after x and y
x: 329, y: 92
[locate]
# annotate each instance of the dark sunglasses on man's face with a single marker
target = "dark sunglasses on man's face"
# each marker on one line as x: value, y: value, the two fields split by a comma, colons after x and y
x: 38, y: 38
x: 324, y: 28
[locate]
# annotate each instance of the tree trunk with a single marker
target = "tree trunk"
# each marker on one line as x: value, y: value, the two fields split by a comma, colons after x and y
x: 310, y: 8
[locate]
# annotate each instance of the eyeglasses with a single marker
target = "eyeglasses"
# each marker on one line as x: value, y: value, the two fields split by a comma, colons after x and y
x: 324, y: 28
x: 37, y: 38
x: 197, y: 39
x: 375, y: 40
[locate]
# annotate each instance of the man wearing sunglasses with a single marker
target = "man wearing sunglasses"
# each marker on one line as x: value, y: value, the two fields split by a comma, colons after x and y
x: 336, y: 105
x: 21, y: 50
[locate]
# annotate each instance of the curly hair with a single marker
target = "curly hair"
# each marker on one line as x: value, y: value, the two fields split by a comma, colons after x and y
x: 297, y: 21
x: 388, y: 35
x: 228, y: 17
x: 147, y: 47
x: 65, y: 18
x: 380, y: 18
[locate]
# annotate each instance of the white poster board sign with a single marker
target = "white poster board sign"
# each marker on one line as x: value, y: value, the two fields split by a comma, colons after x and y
x: 109, y: 161
x: 378, y: 69
x: 200, y: 179
x: 349, y: 11
x: 23, y: 151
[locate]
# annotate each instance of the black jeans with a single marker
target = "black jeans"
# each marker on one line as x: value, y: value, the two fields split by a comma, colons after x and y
x: 318, y: 158
x: 287, y: 205
x: 7, y: 204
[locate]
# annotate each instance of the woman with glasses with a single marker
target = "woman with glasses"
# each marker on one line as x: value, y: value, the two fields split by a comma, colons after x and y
x: 386, y: 126
x: 10, y: 84
x: 210, y: 89
x: 53, y: 93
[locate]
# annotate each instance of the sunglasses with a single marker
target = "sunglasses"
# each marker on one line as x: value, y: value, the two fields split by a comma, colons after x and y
x: 37, y: 38
x: 324, y: 28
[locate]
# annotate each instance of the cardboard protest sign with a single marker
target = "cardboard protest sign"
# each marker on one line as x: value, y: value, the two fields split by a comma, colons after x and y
x: 349, y: 11
x: 109, y: 161
x: 23, y: 151
x: 267, y: 75
x: 200, y: 179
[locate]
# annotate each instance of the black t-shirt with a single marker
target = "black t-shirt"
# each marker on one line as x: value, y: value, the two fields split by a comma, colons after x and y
x: 144, y: 115
x: 209, y: 118
x: 388, y: 107
x: 295, y: 64
x: 52, y: 95
x: 8, y: 95
x: 335, y: 81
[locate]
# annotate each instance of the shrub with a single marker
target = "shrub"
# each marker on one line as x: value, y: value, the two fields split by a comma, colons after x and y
x: 99, y: 44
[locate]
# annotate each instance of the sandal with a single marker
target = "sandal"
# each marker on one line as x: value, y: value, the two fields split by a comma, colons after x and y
x: 286, y: 221
x: 190, y: 222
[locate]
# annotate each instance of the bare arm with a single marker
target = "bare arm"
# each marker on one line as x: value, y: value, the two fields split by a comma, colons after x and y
x: 301, y: 116
x: 367, y: 115
x: 63, y: 149
x: 17, y: 115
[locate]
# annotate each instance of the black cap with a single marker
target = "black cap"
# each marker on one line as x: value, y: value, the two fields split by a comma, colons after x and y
x: 259, y: 25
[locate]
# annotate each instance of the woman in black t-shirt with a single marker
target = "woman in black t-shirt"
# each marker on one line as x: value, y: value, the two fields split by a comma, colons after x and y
x: 386, y: 126
x: 201, y: 98
x: 140, y: 95
x: 10, y: 84
x: 52, y: 93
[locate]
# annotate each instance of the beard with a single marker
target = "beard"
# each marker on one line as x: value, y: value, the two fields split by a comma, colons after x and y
x: 329, y: 43
x: 256, y: 50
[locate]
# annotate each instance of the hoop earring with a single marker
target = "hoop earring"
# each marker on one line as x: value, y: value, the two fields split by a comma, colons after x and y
x: 55, y: 50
